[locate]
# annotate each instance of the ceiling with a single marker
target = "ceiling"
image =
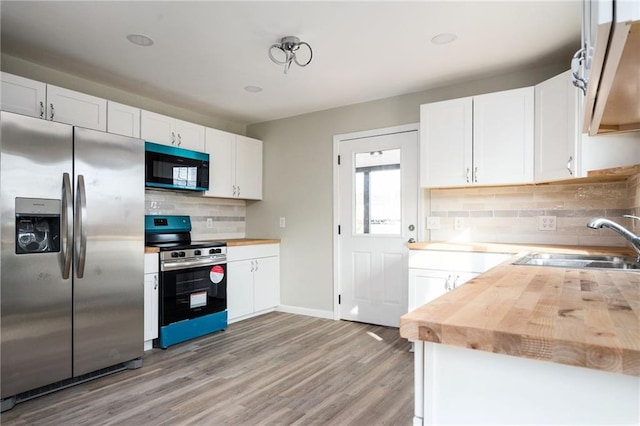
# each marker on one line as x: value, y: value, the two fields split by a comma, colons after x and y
x: 205, y: 53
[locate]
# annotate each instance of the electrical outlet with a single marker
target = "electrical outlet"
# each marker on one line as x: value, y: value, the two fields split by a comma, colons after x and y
x: 433, y: 222
x: 458, y: 223
x: 546, y: 223
x: 209, y: 222
x: 283, y: 222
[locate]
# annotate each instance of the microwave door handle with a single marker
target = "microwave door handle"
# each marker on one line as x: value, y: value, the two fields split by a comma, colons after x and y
x: 81, y: 226
x: 67, y: 225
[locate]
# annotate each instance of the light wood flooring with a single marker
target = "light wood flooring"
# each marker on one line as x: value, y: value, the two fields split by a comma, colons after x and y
x: 273, y: 369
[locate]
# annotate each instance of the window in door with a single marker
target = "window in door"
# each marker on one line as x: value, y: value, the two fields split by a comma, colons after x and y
x: 378, y: 193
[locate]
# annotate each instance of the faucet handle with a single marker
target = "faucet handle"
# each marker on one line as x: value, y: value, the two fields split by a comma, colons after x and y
x: 631, y: 216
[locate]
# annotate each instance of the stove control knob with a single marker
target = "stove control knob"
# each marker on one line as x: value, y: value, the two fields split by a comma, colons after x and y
x: 197, y: 252
x: 212, y: 251
x: 181, y: 254
x: 174, y: 254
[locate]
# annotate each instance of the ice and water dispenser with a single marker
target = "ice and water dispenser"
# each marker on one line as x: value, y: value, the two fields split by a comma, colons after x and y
x: 37, y: 225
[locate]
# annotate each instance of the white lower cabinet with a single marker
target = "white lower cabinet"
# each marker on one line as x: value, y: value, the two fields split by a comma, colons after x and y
x: 433, y: 273
x: 151, y: 302
x: 253, y: 280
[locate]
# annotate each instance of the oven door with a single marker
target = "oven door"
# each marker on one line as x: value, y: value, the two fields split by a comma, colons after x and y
x: 192, y: 292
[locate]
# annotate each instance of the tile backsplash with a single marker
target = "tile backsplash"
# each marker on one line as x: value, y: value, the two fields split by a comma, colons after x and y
x: 227, y: 215
x: 511, y: 214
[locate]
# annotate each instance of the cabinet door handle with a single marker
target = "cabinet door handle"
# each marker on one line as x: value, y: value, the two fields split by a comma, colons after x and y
x: 569, y: 165
x: 257, y: 265
x: 238, y: 190
x: 179, y: 139
x: 447, y: 286
x: 467, y: 175
x: 173, y: 138
x: 52, y: 112
x: 234, y: 190
x: 455, y: 281
x: 155, y: 282
x: 41, y: 109
x: 578, y: 58
x: 475, y: 174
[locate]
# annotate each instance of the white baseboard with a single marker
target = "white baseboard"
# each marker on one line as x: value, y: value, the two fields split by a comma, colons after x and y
x: 305, y: 311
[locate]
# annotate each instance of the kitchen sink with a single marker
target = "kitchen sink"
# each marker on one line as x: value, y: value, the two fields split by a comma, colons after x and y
x: 565, y: 260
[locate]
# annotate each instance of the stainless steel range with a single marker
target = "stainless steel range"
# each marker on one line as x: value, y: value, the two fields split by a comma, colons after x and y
x: 193, y: 281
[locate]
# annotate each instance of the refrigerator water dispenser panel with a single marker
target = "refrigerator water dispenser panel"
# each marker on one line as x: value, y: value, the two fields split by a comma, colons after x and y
x: 37, y: 225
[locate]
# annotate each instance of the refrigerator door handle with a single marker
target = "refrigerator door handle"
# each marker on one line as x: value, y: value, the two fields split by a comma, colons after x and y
x: 67, y: 226
x: 81, y: 226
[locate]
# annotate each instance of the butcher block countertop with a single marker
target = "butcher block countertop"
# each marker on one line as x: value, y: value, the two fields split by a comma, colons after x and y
x: 250, y: 241
x: 580, y: 317
x: 517, y: 248
x: 230, y: 243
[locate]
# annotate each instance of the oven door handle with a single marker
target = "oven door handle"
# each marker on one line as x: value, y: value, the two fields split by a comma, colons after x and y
x: 184, y: 264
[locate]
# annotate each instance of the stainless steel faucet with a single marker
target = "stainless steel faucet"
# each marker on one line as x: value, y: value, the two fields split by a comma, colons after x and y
x: 600, y: 222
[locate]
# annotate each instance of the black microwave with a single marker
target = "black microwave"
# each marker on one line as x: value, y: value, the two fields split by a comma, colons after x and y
x: 171, y: 167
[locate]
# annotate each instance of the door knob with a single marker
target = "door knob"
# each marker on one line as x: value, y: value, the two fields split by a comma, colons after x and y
x: 412, y: 240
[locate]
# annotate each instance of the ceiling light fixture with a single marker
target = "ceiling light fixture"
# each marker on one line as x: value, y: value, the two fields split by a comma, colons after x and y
x: 140, y: 40
x: 444, y: 38
x: 286, y: 52
x: 253, y: 89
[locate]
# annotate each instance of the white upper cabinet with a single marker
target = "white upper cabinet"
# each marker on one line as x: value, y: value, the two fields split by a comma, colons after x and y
x: 482, y: 140
x: 235, y: 169
x: 23, y: 96
x: 561, y: 151
x: 123, y: 119
x: 166, y: 130
x: 222, y: 163
x: 446, y: 138
x: 503, y: 137
x: 78, y: 109
x: 248, y: 168
x: 36, y: 99
x: 556, y: 129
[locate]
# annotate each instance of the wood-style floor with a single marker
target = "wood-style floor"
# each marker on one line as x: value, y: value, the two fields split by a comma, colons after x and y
x: 274, y: 369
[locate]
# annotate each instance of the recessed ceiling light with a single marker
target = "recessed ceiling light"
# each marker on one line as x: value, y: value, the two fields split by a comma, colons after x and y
x: 140, y: 40
x: 253, y: 89
x: 443, y: 38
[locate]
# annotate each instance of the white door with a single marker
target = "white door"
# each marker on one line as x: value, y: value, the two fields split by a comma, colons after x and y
x: 378, y: 191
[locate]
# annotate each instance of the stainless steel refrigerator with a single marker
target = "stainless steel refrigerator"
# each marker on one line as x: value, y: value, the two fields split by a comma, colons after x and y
x: 72, y: 252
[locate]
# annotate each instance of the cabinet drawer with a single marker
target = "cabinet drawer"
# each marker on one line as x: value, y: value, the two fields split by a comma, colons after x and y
x: 455, y: 261
x: 252, y: 251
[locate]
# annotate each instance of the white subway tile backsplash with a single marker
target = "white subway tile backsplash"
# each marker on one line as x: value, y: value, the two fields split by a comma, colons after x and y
x: 510, y: 214
x: 228, y: 215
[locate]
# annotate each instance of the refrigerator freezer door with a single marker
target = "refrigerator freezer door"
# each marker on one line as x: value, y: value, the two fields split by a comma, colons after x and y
x: 109, y: 248
x: 36, y: 326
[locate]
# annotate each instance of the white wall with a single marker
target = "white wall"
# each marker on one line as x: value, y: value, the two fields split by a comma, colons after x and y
x: 298, y: 177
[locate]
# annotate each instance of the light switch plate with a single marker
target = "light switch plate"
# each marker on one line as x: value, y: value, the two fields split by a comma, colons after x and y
x: 283, y: 222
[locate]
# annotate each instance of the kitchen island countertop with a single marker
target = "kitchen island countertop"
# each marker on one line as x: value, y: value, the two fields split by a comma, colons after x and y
x: 580, y: 317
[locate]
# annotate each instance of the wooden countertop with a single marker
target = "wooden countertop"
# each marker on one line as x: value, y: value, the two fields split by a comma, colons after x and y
x: 250, y: 241
x: 517, y: 248
x: 231, y: 243
x: 587, y: 318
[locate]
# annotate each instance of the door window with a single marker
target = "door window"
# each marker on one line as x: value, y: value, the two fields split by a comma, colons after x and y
x: 377, y: 193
